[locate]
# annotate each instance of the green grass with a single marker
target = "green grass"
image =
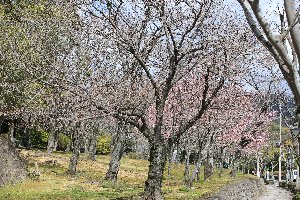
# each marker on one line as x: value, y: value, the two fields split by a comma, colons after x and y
x: 54, y: 183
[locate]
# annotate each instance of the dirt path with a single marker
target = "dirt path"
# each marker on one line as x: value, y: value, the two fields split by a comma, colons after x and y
x: 273, y: 192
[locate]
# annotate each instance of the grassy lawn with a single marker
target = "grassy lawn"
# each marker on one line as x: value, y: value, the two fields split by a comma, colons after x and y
x: 54, y: 183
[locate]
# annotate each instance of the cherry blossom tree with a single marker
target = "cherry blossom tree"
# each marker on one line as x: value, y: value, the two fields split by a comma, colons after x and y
x: 229, y: 128
x: 281, y: 39
x: 245, y: 127
x: 32, y: 37
x: 162, y: 66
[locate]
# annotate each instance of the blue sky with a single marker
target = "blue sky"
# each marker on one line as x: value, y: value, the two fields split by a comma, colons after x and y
x: 270, y: 9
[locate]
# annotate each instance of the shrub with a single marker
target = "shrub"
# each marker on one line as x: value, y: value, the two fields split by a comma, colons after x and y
x: 63, y: 142
x: 297, y: 190
x: 291, y: 187
x: 296, y: 197
x: 39, y: 138
x: 103, y: 144
x: 282, y: 184
x: 267, y: 182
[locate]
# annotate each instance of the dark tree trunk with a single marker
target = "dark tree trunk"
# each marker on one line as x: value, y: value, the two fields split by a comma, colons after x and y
x: 158, y: 154
x: 27, y: 138
x: 52, y: 141
x: 2, y: 118
x: 75, y: 155
x: 117, y: 153
x: 27, y: 134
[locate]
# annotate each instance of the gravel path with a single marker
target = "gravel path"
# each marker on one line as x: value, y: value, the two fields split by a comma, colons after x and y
x: 273, y: 192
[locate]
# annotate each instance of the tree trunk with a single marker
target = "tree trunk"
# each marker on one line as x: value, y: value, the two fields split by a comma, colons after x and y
x: 196, y: 172
x: 233, y: 171
x: 2, y: 118
x: 12, y: 166
x: 117, y: 153
x: 27, y: 138
x: 221, y: 168
x: 52, y: 141
x: 12, y: 132
x: 75, y: 155
x: 221, y: 162
x: 157, y: 163
x: 208, y: 168
x: 169, y: 165
x: 92, y: 147
x: 172, y: 153
x: 187, y: 169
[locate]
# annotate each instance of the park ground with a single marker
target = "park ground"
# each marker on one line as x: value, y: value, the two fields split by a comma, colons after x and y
x: 272, y: 192
x: 55, y: 183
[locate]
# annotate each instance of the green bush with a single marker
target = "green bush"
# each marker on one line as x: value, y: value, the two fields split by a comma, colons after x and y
x: 39, y: 138
x: 296, y: 197
x: 291, y: 187
x: 103, y: 144
x: 282, y: 184
x: 267, y: 182
x: 297, y: 190
x: 63, y: 142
